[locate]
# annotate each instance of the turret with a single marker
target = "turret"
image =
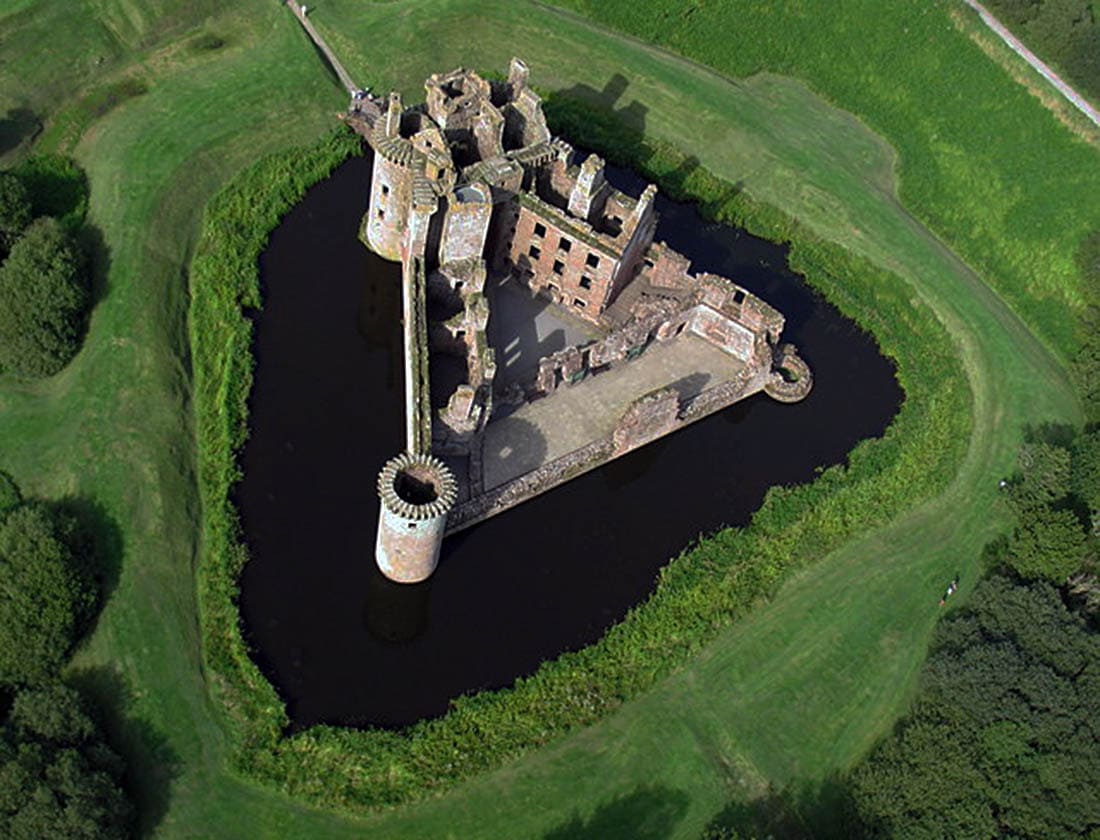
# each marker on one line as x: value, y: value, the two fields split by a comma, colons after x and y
x: 517, y: 76
x: 417, y: 492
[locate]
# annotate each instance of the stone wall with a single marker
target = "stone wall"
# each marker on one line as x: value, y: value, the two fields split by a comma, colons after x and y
x: 561, y: 261
x: 722, y: 331
x: 466, y: 224
x: 650, y: 417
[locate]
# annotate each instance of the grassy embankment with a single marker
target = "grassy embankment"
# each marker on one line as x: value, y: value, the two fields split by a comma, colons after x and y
x: 114, y: 426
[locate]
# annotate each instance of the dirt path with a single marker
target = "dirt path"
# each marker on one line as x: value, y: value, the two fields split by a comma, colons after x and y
x: 1077, y: 100
x: 300, y: 12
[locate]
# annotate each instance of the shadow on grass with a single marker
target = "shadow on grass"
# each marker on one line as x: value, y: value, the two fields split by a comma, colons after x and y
x: 1053, y: 434
x: 151, y: 763
x: 98, y: 254
x: 94, y: 537
x: 17, y: 126
x: 617, y: 132
x: 824, y: 812
x: 649, y: 813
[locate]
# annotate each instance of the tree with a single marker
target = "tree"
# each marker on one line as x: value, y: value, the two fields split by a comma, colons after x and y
x: 1044, y: 475
x: 15, y: 210
x: 1002, y: 738
x: 1015, y: 12
x: 57, y: 776
x: 1052, y: 545
x: 46, y: 596
x: 1086, y: 365
x: 43, y: 301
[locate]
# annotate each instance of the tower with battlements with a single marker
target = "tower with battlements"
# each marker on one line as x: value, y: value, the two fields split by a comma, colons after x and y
x: 417, y: 493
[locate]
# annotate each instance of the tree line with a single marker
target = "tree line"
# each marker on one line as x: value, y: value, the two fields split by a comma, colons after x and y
x: 58, y: 776
x: 44, y: 270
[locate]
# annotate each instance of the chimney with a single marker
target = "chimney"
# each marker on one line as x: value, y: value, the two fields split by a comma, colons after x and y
x: 642, y: 209
x: 393, y: 115
x: 587, y: 186
x: 517, y: 76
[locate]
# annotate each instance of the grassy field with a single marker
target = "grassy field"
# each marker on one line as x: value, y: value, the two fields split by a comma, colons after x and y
x: 160, y: 119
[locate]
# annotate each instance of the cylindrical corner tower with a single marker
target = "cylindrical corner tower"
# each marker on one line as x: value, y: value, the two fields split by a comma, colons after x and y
x: 390, y: 196
x: 417, y: 491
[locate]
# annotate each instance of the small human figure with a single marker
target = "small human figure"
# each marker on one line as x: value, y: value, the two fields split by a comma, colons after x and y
x: 952, y: 588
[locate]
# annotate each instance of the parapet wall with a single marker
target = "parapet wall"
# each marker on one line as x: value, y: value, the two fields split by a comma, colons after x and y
x: 418, y: 407
x: 650, y: 417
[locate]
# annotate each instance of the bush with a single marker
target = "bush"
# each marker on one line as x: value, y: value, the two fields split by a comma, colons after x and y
x: 47, y: 596
x: 43, y: 301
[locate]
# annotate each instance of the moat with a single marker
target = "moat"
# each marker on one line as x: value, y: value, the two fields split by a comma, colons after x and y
x: 344, y: 645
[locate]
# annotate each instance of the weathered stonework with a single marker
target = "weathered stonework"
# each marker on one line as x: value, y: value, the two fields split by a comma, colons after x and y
x: 417, y: 495
x: 470, y: 192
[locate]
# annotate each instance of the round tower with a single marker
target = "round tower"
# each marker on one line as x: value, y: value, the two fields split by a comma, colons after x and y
x: 417, y: 492
x: 391, y: 190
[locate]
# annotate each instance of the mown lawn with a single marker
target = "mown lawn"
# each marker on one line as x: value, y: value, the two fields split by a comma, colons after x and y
x: 789, y: 696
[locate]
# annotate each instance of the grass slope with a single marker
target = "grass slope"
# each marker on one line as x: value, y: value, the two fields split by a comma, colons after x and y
x: 793, y: 693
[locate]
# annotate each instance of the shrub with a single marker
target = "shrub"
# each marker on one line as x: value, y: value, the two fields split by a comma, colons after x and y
x: 43, y: 301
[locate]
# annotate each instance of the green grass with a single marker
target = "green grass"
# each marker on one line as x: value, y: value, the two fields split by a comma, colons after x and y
x: 795, y: 692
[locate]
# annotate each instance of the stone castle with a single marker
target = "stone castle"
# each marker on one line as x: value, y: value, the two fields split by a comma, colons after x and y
x: 546, y: 331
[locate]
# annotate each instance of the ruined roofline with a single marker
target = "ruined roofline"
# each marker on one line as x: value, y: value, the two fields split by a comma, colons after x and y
x: 580, y: 229
x: 742, y: 297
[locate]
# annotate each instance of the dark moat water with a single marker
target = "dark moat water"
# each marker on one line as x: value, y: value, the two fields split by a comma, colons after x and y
x: 344, y: 645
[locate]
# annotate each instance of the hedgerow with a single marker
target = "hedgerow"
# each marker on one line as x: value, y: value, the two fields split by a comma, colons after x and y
x: 699, y: 592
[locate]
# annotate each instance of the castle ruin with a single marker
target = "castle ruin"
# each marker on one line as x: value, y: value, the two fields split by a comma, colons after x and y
x: 546, y: 332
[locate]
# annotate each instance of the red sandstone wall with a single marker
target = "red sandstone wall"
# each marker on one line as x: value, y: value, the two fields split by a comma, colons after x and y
x: 577, y: 284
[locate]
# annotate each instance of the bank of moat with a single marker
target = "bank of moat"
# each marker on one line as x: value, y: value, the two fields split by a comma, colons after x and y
x: 545, y: 331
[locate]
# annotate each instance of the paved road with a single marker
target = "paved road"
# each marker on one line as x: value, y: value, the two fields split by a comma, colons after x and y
x: 1076, y: 99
